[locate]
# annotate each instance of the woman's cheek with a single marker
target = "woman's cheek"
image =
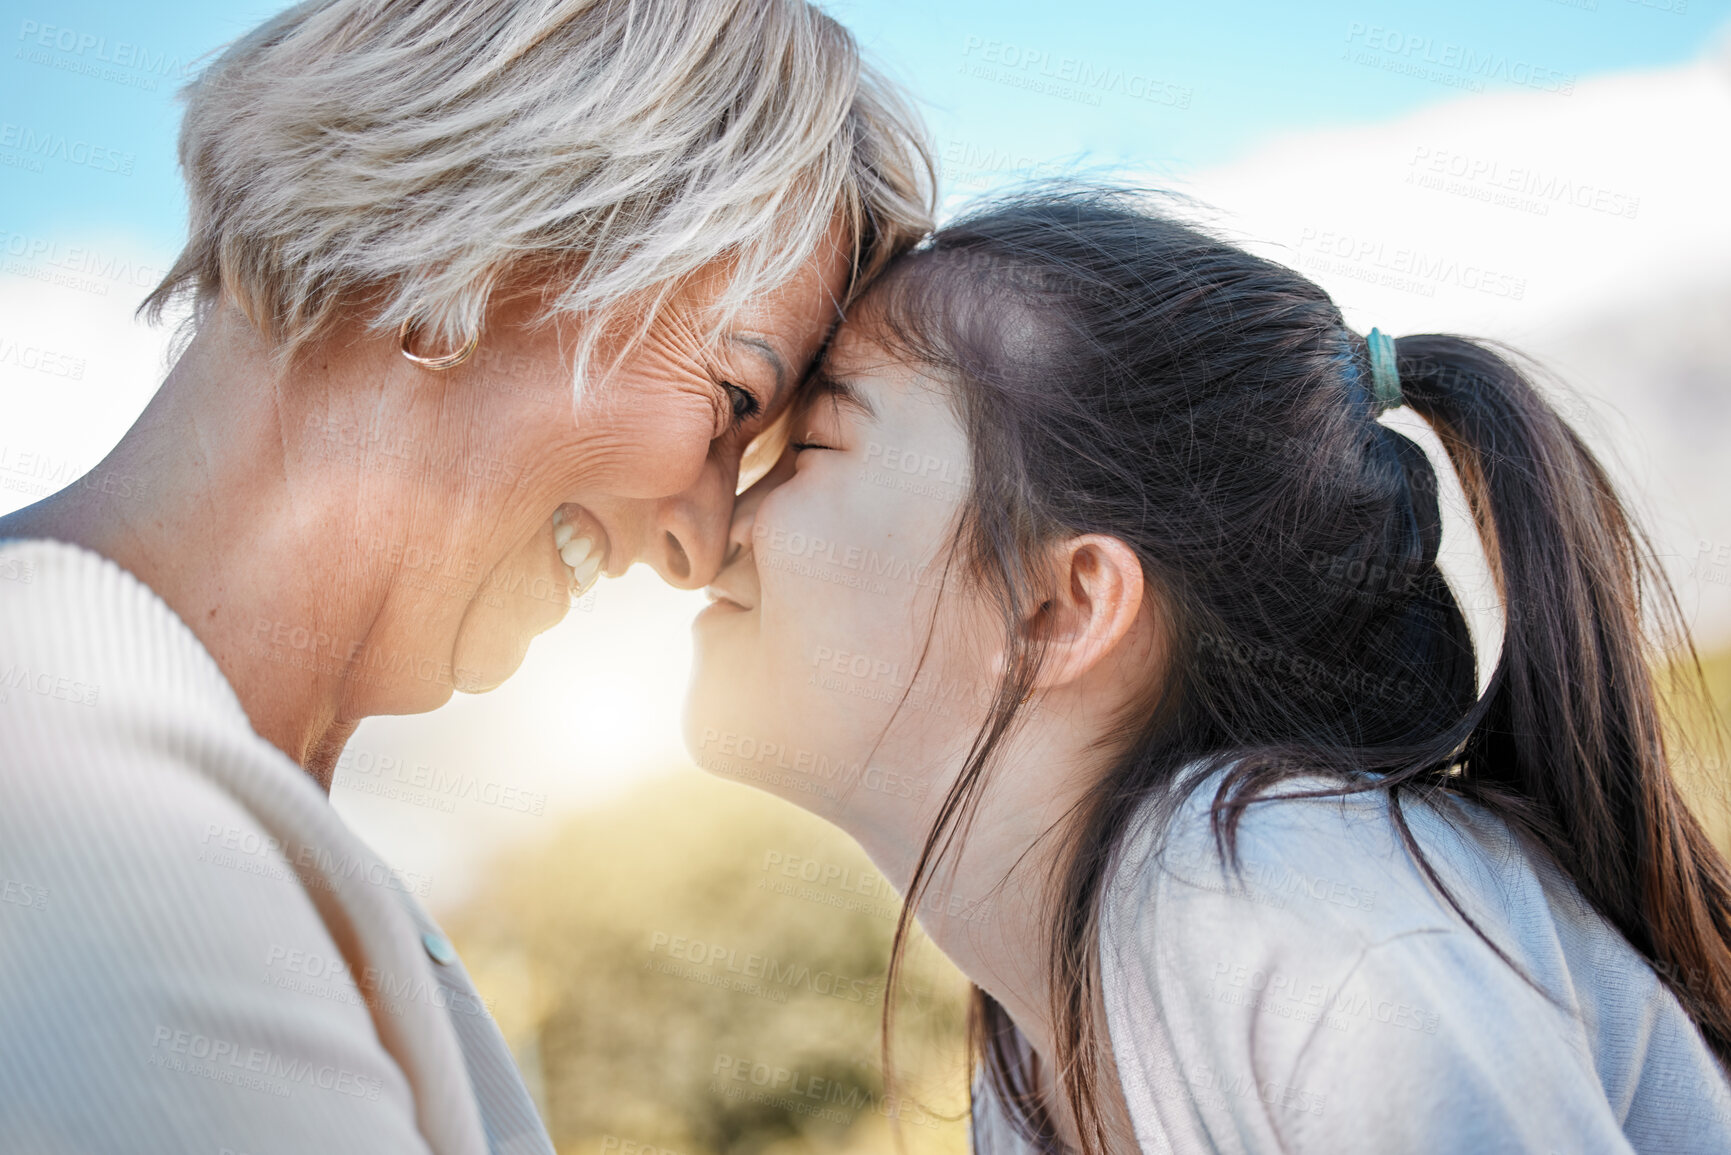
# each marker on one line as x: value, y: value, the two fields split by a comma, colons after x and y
x: 651, y: 459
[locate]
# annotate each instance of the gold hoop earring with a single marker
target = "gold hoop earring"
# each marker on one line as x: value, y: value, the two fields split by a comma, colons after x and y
x: 442, y: 362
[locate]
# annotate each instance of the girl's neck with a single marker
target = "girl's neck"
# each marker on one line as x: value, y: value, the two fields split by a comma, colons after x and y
x: 987, y: 906
x: 991, y: 910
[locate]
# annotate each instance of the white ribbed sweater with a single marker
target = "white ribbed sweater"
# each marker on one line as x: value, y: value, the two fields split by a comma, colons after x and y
x: 195, y: 953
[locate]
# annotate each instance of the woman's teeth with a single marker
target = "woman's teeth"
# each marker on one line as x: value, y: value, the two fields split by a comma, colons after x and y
x: 578, y: 553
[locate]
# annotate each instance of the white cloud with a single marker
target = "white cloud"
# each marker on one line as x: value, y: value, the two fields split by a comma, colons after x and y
x: 75, y: 368
x: 1572, y: 202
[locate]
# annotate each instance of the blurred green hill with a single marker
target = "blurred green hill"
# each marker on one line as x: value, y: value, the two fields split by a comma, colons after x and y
x: 697, y: 968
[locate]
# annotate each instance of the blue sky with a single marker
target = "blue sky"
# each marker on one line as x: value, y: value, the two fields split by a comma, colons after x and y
x: 1158, y: 86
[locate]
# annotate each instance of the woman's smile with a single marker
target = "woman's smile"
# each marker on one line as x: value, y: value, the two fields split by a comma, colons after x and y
x: 582, y: 544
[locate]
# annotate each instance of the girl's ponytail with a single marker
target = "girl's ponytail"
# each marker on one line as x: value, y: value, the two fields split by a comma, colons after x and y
x: 1568, y: 738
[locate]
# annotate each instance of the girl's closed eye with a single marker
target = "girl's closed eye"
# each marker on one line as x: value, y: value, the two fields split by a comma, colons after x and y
x: 829, y: 416
x: 820, y: 426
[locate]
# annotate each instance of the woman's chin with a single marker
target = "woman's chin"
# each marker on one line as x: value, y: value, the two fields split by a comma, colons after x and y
x: 494, y: 638
x: 482, y: 664
x: 471, y: 681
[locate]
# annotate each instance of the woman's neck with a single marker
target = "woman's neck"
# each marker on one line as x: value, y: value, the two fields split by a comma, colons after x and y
x: 240, y: 539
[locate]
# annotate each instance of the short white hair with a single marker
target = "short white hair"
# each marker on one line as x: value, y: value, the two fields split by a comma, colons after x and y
x: 398, y: 160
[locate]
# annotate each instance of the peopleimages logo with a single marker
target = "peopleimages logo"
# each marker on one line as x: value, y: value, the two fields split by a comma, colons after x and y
x: 765, y: 969
x: 40, y: 360
x: 24, y: 894
x: 839, y: 562
x: 1402, y: 267
x: 252, y: 852
x: 1514, y: 186
x: 1066, y: 77
x: 21, y: 679
x: 91, y: 54
x: 31, y: 471
x: 391, y: 776
x: 332, y: 977
x: 71, y: 150
x: 256, y: 1068
x: 817, y: 1096
x: 74, y: 266
x: 1445, y: 62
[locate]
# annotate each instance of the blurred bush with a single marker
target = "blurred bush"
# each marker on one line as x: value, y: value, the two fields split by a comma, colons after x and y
x: 1702, y: 767
x: 698, y: 968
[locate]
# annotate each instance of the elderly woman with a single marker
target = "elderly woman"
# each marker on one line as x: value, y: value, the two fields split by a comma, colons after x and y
x: 488, y: 298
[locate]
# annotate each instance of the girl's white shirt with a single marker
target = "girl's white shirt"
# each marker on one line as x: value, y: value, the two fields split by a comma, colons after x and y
x: 1325, y: 998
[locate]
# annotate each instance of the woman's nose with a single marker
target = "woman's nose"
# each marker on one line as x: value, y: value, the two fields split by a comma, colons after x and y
x: 688, y: 536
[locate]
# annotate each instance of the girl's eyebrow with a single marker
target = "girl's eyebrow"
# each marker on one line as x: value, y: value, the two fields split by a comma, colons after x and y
x: 844, y: 393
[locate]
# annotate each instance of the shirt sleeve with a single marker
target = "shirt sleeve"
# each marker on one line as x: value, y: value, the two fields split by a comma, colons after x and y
x: 1325, y: 1004
x: 1433, y: 1045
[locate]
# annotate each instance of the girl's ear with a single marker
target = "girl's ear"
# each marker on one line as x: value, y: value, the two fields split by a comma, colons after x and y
x: 1095, y: 596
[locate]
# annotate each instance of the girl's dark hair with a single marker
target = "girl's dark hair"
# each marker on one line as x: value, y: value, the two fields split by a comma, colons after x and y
x: 1119, y: 372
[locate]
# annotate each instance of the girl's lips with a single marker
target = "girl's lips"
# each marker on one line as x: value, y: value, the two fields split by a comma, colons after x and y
x: 718, y: 607
x: 722, y: 598
x: 739, y: 573
x: 582, y: 545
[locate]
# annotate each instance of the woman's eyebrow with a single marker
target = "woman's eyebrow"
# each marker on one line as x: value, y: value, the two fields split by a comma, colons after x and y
x: 765, y: 350
x: 845, y: 393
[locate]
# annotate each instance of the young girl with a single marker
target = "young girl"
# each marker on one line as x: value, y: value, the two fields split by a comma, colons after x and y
x: 1093, y: 599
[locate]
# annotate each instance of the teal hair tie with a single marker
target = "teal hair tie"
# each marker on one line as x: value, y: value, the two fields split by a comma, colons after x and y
x: 1384, y: 372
